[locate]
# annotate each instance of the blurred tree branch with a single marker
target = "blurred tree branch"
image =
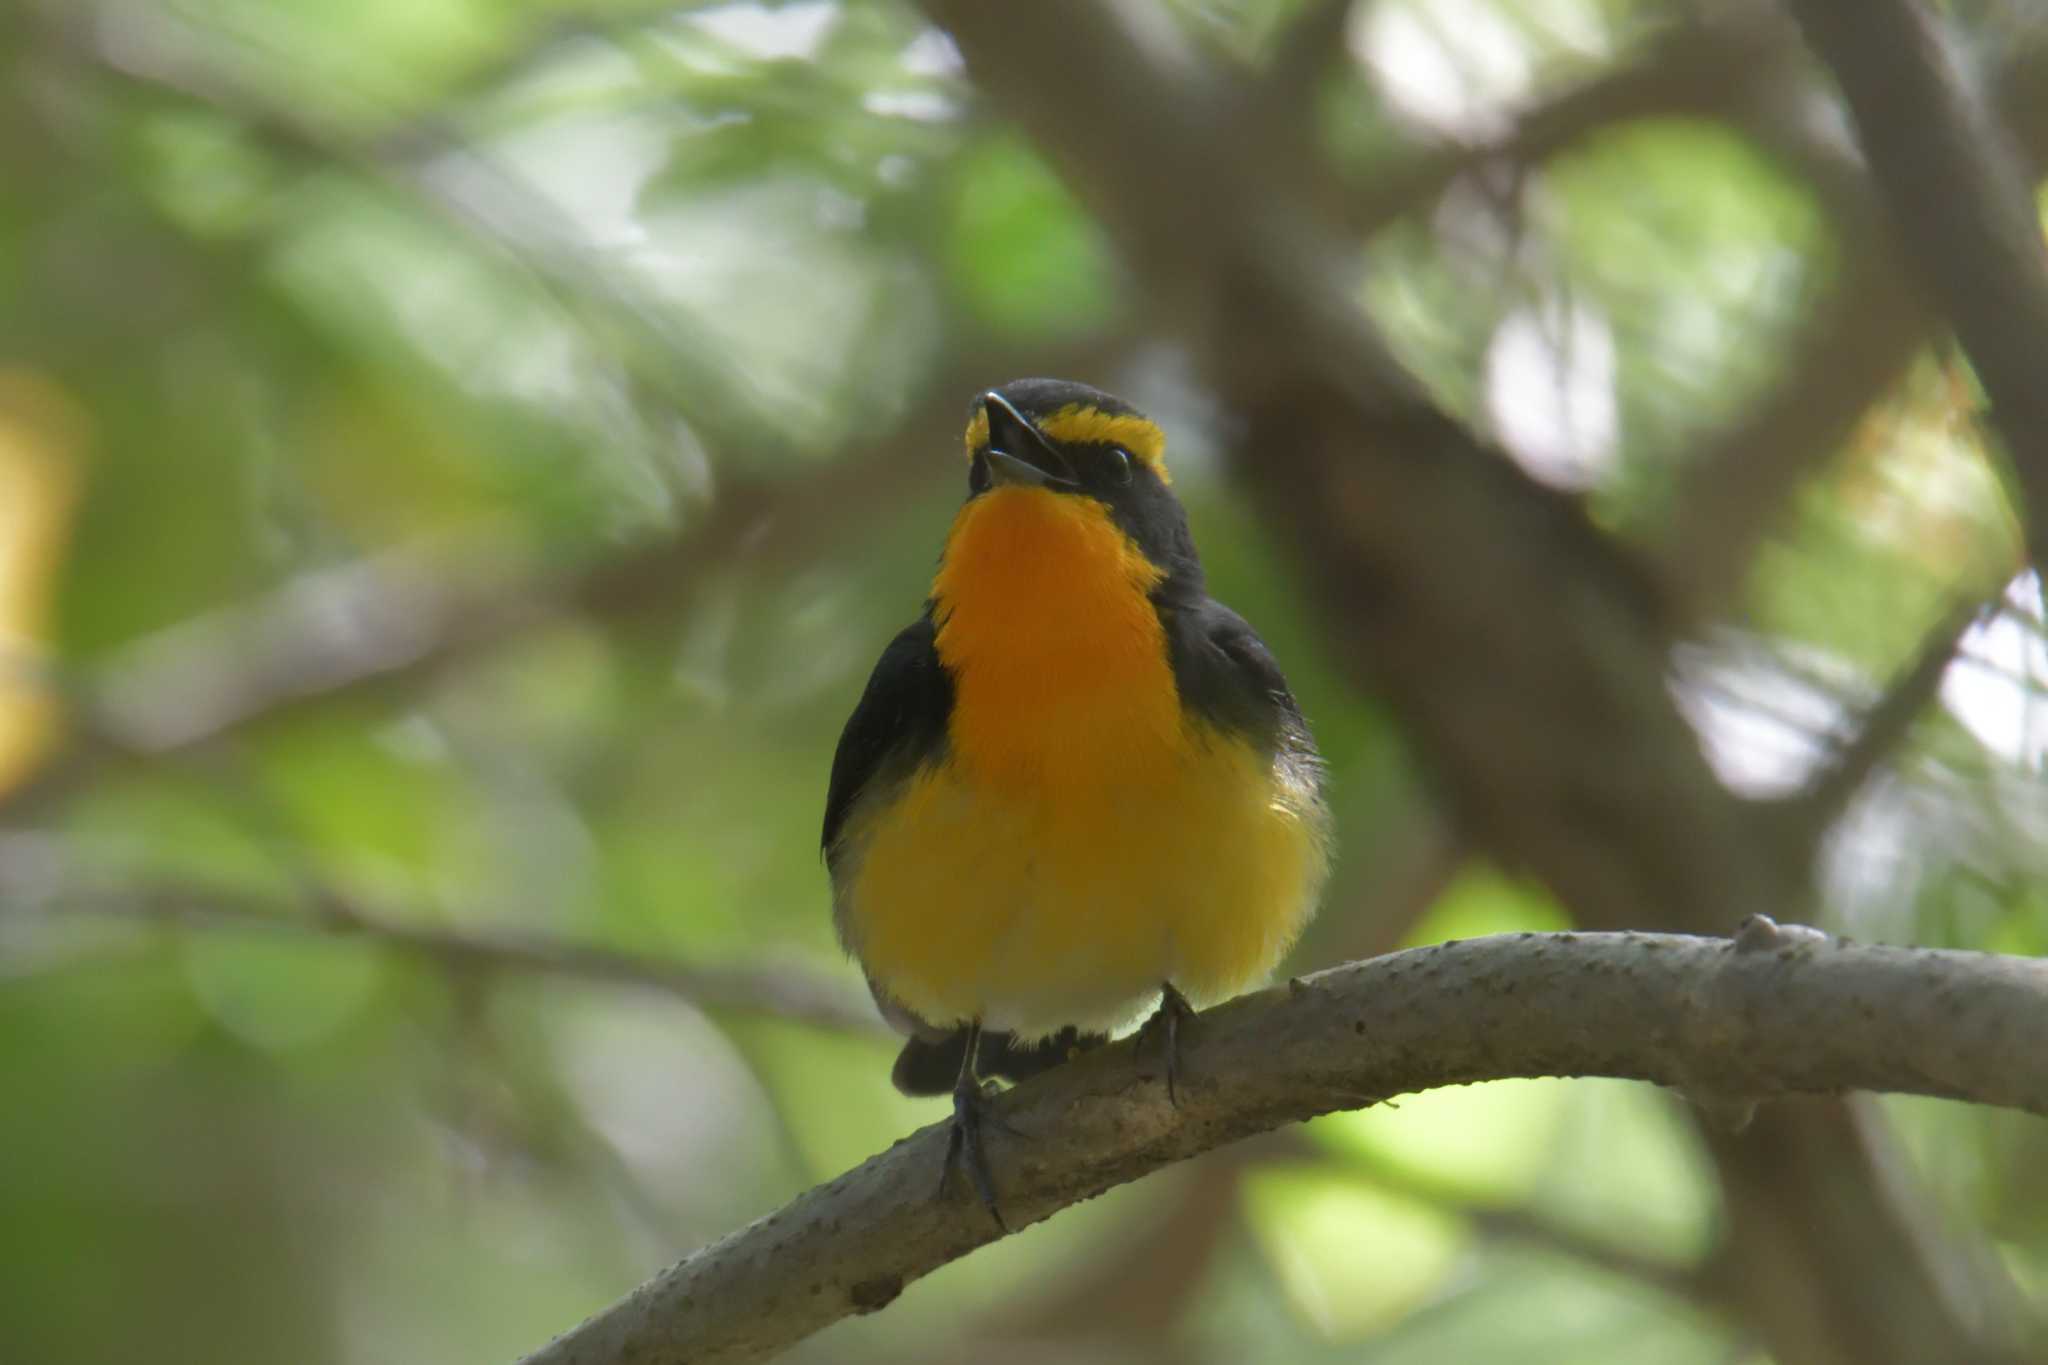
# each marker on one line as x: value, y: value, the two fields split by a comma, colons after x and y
x: 1776, y: 1010
x: 397, y: 619
x: 337, y: 629
x: 1736, y: 482
x: 1129, y: 1300
x: 1700, y: 1286
x: 1739, y: 66
x: 1734, y: 64
x: 782, y: 991
x: 1799, y: 823
x: 1950, y: 176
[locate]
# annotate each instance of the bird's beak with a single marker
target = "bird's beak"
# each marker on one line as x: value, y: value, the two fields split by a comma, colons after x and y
x: 1017, y: 454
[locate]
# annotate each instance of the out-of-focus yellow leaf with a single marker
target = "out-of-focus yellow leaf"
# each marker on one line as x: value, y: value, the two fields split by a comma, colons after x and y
x: 42, y: 437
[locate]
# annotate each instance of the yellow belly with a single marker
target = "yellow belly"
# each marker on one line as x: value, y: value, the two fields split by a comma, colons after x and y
x: 986, y: 898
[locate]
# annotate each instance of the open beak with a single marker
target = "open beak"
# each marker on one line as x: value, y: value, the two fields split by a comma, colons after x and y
x: 1017, y: 454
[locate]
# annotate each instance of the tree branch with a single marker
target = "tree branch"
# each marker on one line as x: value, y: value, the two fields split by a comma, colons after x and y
x: 395, y: 616
x: 1775, y: 1010
x: 1795, y: 1189
x: 395, y: 619
x: 1717, y: 66
x: 1695, y: 1287
x: 1809, y: 814
x: 1742, y: 67
x: 1698, y: 1285
x: 784, y: 992
x: 1734, y: 485
x: 1950, y: 176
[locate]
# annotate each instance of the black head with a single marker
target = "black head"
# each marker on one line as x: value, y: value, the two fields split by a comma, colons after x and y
x: 1075, y: 441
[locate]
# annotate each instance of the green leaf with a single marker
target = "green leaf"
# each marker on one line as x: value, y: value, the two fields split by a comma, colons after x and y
x: 1487, y: 1143
x: 1023, y: 256
x: 279, y: 992
x: 1351, y: 1256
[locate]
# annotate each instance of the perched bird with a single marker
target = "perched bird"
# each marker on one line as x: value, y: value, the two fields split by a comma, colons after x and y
x: 1076, y: 784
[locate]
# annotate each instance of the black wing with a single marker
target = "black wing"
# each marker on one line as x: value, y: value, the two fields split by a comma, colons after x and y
x: 1226, y: 674
x: 899, y: 722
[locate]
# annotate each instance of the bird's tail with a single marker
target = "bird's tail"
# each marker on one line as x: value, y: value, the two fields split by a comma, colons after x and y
x: 929, y: 1066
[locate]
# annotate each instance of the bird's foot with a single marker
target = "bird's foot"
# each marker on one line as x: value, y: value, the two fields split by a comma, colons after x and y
x: 1166, y: 1021
x: 964, y: 1150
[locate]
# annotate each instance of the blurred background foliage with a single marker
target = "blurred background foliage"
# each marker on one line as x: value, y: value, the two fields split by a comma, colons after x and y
x: 458, y: 460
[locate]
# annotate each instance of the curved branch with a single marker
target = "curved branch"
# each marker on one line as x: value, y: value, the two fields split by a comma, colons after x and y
x: 1773, y: 1011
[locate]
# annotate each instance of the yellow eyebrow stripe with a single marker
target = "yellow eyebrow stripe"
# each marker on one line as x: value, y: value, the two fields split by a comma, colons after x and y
x: 1085, y: 424
x: 1080, y: 424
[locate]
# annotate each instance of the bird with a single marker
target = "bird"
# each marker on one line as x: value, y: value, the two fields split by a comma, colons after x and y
x: 1076, y: 786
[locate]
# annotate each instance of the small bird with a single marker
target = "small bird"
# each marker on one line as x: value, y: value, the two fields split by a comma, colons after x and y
x: 1077, y: 783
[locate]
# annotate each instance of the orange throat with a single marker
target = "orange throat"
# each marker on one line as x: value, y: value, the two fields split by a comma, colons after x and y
x: 1058, y: 658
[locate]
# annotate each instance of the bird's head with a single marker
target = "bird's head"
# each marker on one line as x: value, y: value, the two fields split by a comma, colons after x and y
x: 1053, y: 438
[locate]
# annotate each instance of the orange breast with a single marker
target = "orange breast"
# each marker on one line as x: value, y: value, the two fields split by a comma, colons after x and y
x: 1058, y: 658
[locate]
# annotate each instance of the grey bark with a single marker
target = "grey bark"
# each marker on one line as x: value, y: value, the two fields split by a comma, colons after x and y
x: 1771, y: 1012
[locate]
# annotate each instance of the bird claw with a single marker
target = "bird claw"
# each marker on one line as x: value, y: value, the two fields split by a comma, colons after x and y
x: 1166, y: 1020
x: 964, y: 1148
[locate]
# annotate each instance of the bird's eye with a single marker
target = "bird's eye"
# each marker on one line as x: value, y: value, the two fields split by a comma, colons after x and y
x: 1119, y: 465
